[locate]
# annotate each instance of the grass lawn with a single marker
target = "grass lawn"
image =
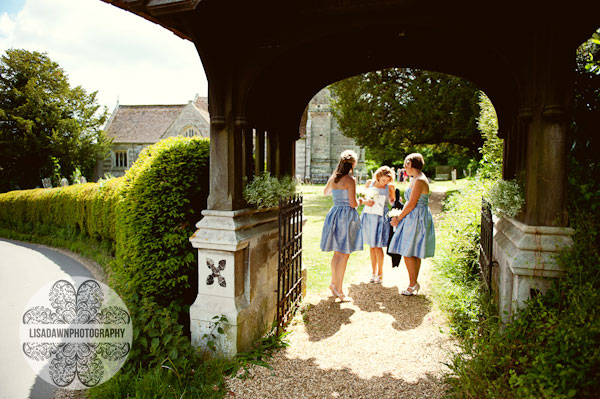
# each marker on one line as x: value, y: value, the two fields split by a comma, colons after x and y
x: 318, y: 263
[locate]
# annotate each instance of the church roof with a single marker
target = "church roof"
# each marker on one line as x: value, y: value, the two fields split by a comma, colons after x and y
x: 141, y: 123
x: 147, y: 123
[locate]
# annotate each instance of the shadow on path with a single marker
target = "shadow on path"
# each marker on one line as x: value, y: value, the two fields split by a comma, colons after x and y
x: 304, y: 378
x: 408, y: 311
x: 328, y: 316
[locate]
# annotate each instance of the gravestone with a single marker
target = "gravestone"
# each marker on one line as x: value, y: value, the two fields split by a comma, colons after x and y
x: 442, y: 172
x: 47, y: 183
x: 64, y: 182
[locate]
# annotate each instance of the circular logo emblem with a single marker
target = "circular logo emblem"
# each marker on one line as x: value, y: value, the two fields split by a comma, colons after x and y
x: 76, y: 333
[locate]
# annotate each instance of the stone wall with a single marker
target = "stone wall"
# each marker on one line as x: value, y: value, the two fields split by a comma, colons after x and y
x: 108, y: 165
x: 189, y: 117
x: 317, y: 153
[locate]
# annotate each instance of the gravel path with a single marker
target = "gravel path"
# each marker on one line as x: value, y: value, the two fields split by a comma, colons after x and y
x: 381, y: 345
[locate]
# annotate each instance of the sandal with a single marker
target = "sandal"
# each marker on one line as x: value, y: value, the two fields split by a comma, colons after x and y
x: 413, y: 290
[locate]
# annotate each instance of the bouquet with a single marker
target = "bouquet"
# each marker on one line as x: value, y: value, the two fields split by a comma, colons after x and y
x: 394, y: 212
x: 369, y: 194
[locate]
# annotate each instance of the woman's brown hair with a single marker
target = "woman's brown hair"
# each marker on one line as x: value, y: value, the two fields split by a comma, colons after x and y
x: 347, y: 159
x: 416, y: 160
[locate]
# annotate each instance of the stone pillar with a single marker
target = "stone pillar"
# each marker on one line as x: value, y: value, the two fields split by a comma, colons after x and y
x: 535, y: 153
x: 237, y: 277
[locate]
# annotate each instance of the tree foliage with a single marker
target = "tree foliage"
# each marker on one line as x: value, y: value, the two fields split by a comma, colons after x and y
x: 392, y: 110
x: 42, y: 117
x: 584, y: 141
x: 490, y: 165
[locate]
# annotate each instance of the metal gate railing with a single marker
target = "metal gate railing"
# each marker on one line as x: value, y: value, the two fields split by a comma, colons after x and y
x: 486, y: 243
x: 289, y: 271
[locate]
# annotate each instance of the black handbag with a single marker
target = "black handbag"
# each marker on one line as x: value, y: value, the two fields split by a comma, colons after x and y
x: 395, y: 257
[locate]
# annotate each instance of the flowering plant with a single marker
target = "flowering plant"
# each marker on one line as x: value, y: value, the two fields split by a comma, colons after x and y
x: 394, y: 212
x: 506, y: 198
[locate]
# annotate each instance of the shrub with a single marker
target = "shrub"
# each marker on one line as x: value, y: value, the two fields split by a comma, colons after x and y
x: 160, y: 202
x: 456, y: 277
x: 552, y: 349
x: 265, y: 190
x: 506, y: 198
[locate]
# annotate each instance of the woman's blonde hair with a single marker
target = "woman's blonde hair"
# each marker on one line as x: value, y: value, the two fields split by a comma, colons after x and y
x: 416, y: 160
x: 384, y: 171
x: 347, y: 159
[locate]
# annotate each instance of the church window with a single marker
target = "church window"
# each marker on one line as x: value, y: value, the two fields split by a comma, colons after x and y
x: 191, y: 131
x: 120, y: 159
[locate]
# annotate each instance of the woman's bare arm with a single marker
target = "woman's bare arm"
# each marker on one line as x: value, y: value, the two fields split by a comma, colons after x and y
x: 328, y: 186
x: 351, y: 181
x: 415, y: 193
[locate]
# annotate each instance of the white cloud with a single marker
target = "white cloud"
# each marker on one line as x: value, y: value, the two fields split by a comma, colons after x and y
x: 104, y: 48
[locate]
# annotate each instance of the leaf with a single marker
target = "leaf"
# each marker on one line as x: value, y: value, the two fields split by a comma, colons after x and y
x: 154, y: 344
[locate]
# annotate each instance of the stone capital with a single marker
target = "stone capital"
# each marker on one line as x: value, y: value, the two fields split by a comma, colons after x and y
x: 231, y: 230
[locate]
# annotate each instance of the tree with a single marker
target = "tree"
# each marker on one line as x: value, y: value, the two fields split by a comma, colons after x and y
x: 42, y: 119
x: 389, y: 111
x: 490, y: 166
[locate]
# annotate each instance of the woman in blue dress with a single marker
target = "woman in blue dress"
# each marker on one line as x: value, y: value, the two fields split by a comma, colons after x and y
x: 376, y: 226
x: 414, y: 237
x: 341, y: 230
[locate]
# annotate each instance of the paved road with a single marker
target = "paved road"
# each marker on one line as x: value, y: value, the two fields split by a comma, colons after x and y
x: 24, y: 269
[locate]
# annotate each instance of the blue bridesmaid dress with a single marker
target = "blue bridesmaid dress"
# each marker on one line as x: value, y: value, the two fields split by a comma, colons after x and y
x: 415, y: 234
x: 341, y: 230
x: 375, y: 228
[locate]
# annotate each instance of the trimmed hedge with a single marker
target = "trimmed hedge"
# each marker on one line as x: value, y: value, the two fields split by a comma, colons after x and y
x: 87, y: 208
x: 149, y: 214
x: 160, y: 202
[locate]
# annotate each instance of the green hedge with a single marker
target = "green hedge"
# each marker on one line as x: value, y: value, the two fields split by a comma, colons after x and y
x: 149, y: 215
x: 160, y: 202
x: 88, y: 208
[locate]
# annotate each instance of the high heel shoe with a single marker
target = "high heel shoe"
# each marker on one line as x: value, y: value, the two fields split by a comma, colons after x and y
x: 413, y: 290
x: 379, y: 279
x: 373, y: 279
x: 333, y: 290
x: 342, y: 297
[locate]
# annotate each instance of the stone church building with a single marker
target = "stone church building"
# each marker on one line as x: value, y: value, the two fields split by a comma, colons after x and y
x: 134, y: 127
x: 321, y: 142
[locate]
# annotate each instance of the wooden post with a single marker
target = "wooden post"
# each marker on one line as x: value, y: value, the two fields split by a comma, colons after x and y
x: 259, y: 151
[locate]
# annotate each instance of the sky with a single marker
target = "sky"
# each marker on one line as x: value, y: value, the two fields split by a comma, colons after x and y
x: 103, y: 48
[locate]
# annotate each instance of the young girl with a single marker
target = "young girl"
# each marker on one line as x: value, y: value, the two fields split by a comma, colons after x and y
x: 376, y: 226
x: 414, y: 237
x: 341, y: 230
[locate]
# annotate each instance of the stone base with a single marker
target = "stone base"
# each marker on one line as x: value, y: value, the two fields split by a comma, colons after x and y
x: 237, y: 278
x: 526, y: 257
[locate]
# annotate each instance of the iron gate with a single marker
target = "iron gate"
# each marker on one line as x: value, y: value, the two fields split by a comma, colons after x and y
x: 486, y: 243
x: 289, y: 271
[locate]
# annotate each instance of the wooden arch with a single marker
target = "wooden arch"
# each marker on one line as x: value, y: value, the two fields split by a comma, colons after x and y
x: 265, y: 59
